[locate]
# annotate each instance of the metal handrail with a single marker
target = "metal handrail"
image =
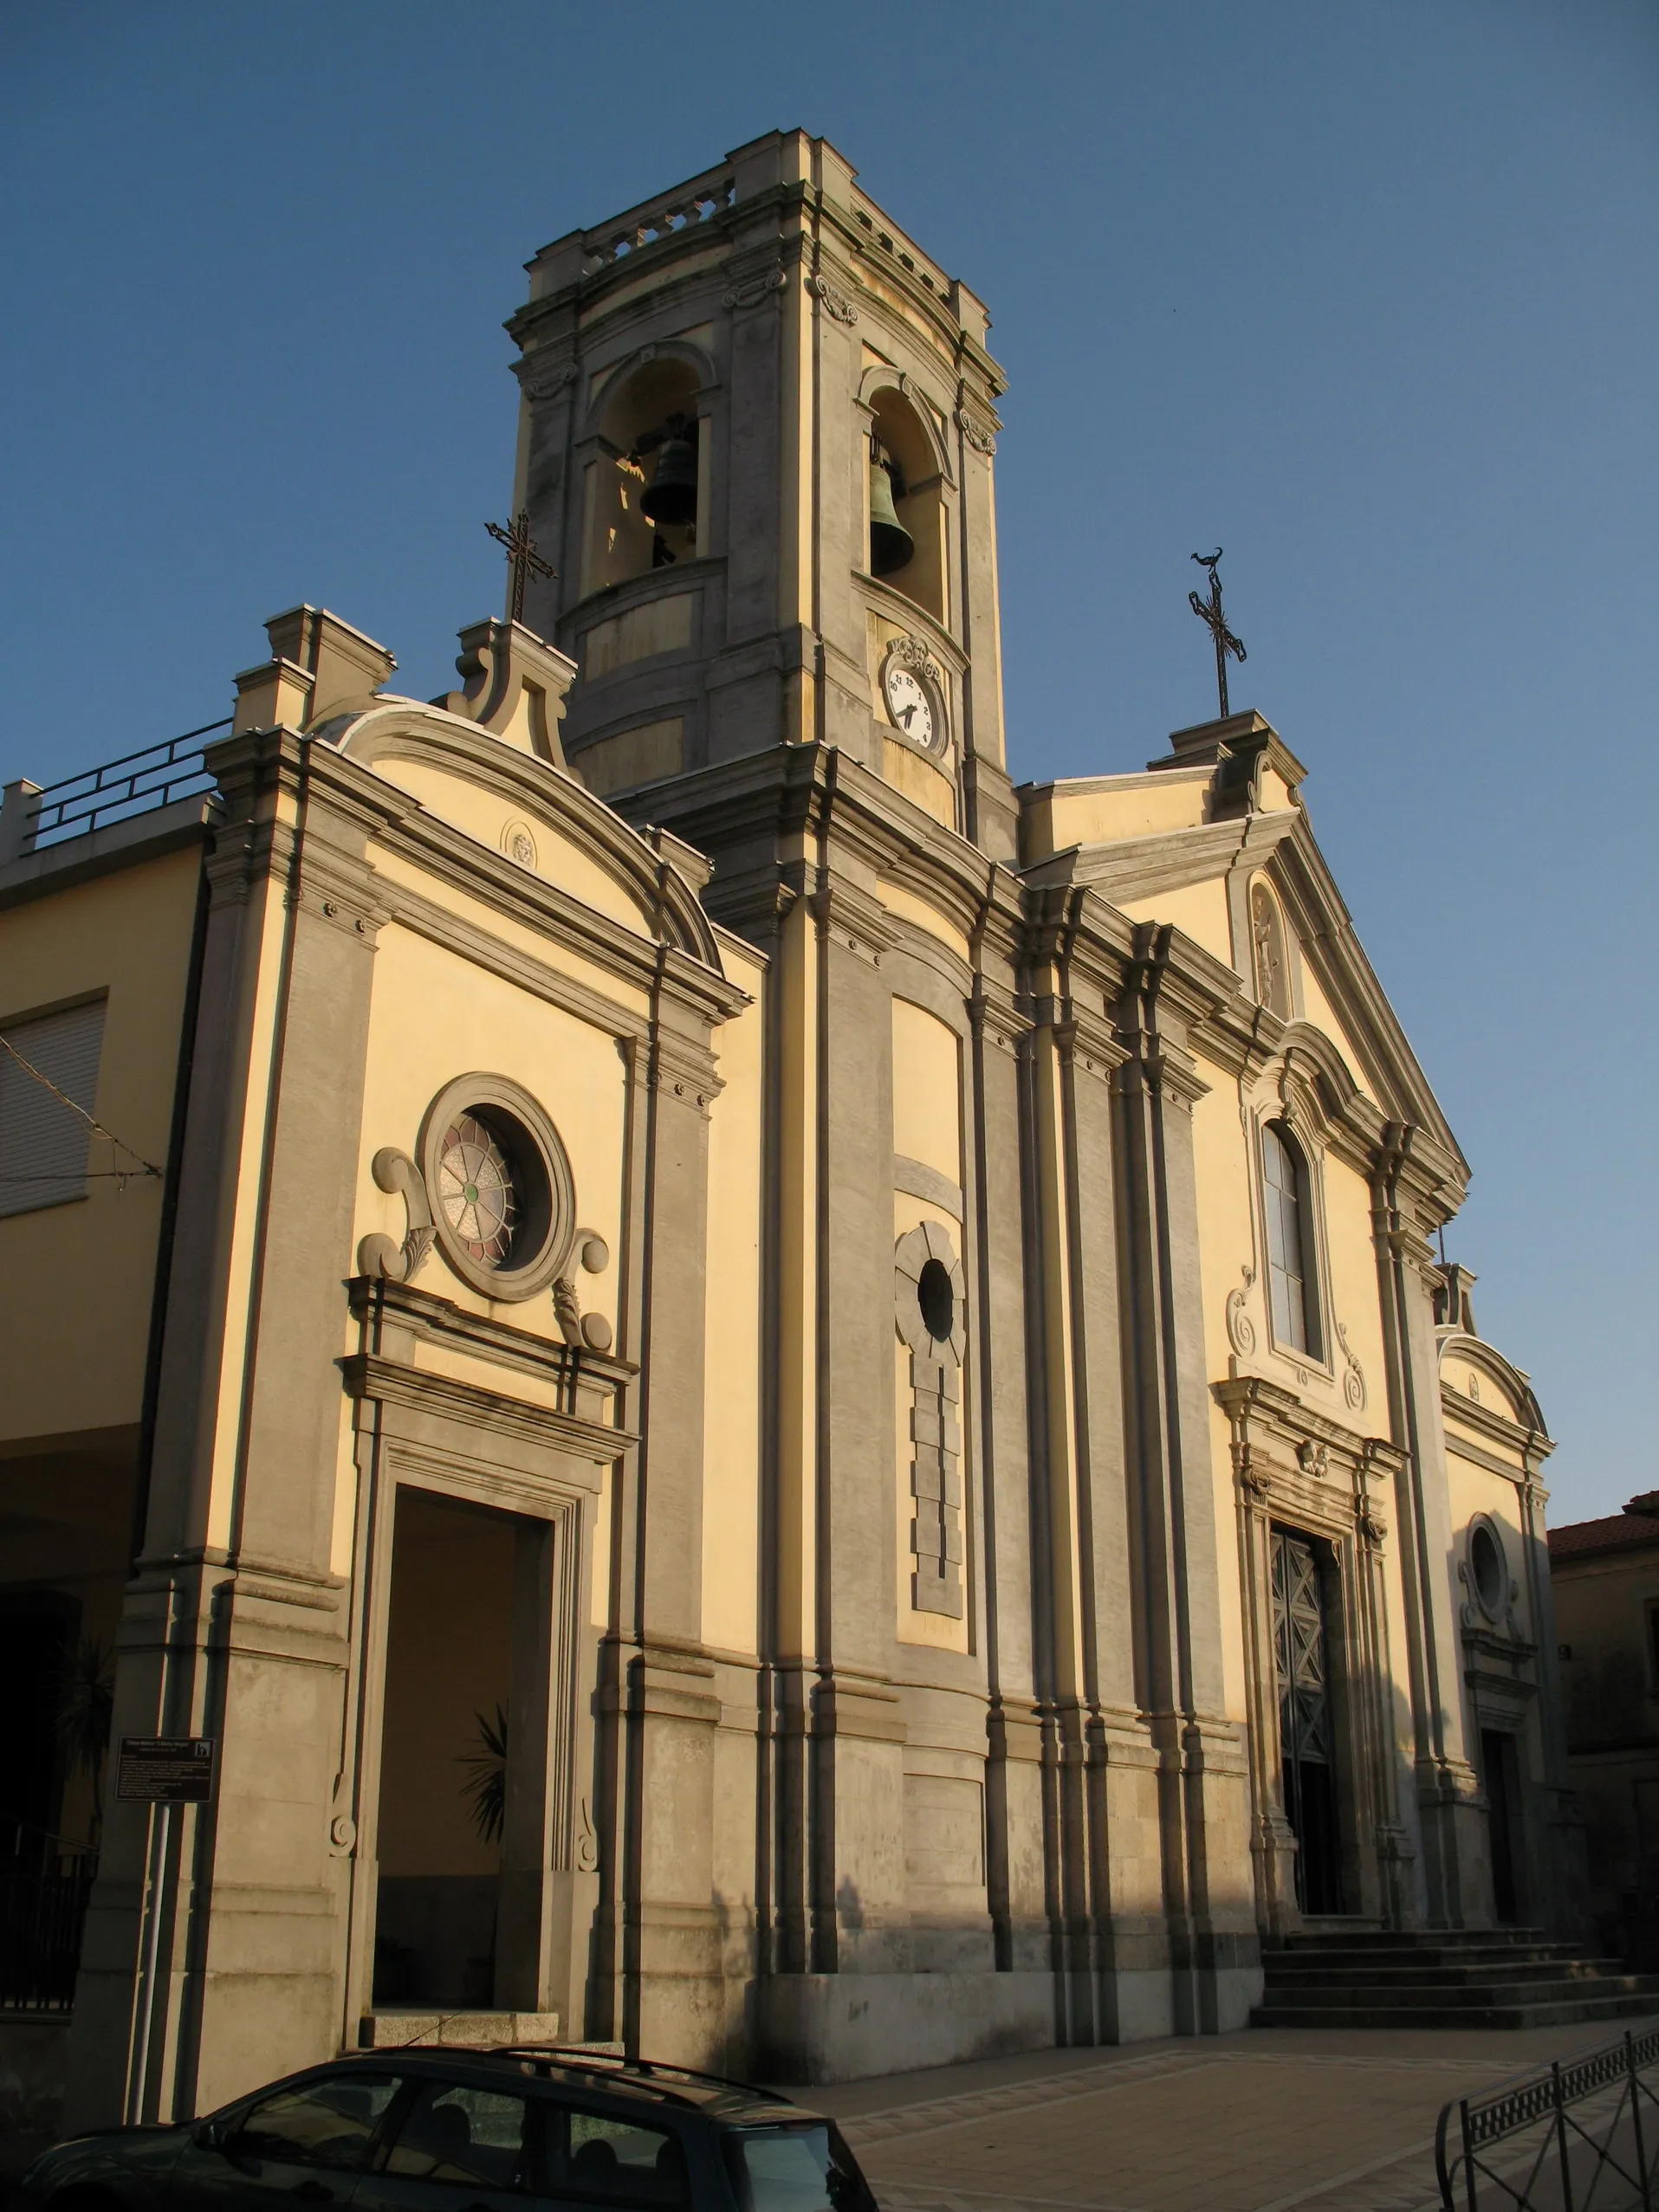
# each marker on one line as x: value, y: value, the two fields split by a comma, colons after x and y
x: 1563, y: 2171
x: 136, y: 783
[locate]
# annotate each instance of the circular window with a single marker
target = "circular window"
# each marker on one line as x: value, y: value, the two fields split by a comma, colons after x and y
x: 503, y: 1203
x: 1487, y: 1567
x: 937, y: 1296
x: 480, y: 1196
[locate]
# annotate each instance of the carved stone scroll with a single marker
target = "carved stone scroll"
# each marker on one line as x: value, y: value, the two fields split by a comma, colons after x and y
x: 395, y: 1173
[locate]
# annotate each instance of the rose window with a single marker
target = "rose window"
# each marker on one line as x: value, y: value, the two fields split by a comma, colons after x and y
x: 475, y: 1190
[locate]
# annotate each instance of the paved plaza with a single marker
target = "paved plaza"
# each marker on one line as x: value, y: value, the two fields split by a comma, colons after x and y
x: 1259, y: 2121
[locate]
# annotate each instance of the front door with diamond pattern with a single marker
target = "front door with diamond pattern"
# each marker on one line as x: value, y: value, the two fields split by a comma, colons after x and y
x: 1306, y: 1736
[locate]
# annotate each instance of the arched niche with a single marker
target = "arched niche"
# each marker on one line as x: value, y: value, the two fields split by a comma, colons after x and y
x: 642, y: 406
x: 906, y: 443
x: 1269, y: 950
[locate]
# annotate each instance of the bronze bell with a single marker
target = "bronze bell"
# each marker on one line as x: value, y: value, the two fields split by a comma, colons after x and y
x: 891, y: 543
x: 670, y: 497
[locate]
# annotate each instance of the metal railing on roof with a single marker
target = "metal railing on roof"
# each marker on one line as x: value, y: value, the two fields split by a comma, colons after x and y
x: 136, y: 783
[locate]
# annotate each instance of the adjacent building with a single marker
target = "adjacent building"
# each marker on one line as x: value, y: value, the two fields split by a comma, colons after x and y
x: 1606, y: 1577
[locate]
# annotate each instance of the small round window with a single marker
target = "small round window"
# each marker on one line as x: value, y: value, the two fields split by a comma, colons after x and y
x: 1487, y: 1568
x: 937, y: 1296
x: 503, y: 1203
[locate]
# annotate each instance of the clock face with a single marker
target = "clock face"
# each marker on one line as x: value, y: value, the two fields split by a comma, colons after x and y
x: 908, y: 704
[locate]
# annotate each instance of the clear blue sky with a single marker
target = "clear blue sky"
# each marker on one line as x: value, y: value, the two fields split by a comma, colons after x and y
x: 1366, y: 294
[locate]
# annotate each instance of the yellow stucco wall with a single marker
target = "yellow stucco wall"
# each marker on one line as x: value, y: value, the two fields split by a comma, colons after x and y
x: 927, y: 1089
x: 75, y: 1279
x: 472, y: 807
x: 1100, y: 810
x: 1198, y: 909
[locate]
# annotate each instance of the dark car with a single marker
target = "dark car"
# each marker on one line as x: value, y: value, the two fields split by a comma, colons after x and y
x: 525, y: 2130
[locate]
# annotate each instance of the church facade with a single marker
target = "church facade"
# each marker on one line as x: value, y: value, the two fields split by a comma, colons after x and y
x: 765, y: 1396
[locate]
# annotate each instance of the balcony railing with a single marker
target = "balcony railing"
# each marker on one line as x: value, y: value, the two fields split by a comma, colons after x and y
x: 138, y: 782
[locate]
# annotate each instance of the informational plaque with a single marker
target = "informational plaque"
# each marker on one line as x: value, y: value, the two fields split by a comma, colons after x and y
x: 166, y: 1769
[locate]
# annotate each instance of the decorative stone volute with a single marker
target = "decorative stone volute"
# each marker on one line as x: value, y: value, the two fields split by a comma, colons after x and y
x: 516, y: 685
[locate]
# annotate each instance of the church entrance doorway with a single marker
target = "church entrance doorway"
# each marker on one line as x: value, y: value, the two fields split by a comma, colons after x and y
x: 1497, y: 1766
x: 1306, y: 1731
x: 442, y: 1753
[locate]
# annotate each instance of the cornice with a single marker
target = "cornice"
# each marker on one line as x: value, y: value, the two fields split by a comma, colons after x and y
x: 369, y: 1374
x: 1330, y: 945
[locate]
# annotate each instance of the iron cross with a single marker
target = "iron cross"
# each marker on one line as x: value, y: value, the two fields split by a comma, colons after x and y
x: 1210, y: 612
x: 523, y: 556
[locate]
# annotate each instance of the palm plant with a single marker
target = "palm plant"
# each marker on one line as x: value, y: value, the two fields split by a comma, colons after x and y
x: 486, y: 1783
x: 86, y: 1712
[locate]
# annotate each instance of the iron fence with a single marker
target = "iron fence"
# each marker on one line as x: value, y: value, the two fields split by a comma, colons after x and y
x: 135, y: 784
x: 45, y: 1883
x: 1583, y: 2137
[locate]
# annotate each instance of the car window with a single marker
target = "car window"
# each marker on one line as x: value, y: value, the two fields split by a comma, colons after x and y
x: 327, y: 2122
x: 615, y: 2161
x: 455, y: 2133
x: 795, y: 2169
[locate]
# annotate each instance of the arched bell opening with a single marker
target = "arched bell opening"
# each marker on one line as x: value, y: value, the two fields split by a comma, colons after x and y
x: 906, y: 542
x: 647, y: 487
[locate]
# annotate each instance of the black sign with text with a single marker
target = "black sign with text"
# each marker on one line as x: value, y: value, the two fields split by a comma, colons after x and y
x: 166, y: 1769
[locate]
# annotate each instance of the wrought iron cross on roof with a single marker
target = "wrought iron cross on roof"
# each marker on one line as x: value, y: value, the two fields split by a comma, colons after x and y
x: 524, y: 558
x: 1210, y: 612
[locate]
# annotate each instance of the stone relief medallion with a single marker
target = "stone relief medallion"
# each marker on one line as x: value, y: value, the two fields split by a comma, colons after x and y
x: 518, y: 843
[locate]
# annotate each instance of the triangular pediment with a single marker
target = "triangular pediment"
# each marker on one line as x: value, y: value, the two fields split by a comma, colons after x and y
x: 1197, y: 876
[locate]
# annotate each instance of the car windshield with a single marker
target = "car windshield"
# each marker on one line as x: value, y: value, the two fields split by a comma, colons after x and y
x: 795, y: 2169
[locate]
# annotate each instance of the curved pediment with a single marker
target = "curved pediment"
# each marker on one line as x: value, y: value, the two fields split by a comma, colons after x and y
x: 540, y: 816
x: 1471, y: 1370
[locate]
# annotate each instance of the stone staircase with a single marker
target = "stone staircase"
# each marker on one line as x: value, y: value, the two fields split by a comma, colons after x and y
x: 1502, y: 1977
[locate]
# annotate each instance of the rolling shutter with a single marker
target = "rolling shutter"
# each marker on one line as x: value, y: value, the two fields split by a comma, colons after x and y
x: 43, y: 1145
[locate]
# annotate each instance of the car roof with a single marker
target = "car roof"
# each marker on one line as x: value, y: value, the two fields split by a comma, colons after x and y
x: 605, y: 2074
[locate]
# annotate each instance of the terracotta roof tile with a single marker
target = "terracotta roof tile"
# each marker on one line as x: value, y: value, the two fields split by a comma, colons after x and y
x: 1618, y: 1532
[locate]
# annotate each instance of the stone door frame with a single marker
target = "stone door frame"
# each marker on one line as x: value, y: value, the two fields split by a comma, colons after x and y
x: 419, y: 1430
x: 1309, y: 1476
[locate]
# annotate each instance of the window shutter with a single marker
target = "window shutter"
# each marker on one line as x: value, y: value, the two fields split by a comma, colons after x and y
x: 43, y: 1145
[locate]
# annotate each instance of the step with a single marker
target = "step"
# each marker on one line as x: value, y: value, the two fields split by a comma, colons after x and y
x: 1410, y: 1939
x: 1472, y: 1997
x: 1317, y: 1974
x: 1564, y: 2014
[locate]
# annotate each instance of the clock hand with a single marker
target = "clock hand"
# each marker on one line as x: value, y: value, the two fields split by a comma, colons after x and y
x: 906, y: 716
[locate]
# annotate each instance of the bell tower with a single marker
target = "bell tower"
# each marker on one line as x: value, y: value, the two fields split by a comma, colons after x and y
x: 756, y: 443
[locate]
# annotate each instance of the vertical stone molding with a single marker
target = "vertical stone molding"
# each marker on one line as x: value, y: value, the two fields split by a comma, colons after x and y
x: 930, y: 1308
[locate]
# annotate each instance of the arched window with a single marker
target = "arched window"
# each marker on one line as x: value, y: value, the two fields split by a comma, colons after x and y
x: 1293, y: 1292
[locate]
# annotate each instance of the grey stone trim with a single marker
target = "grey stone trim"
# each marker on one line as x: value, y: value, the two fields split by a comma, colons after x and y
x: 936, y: 1428
x: 917, y: 1179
